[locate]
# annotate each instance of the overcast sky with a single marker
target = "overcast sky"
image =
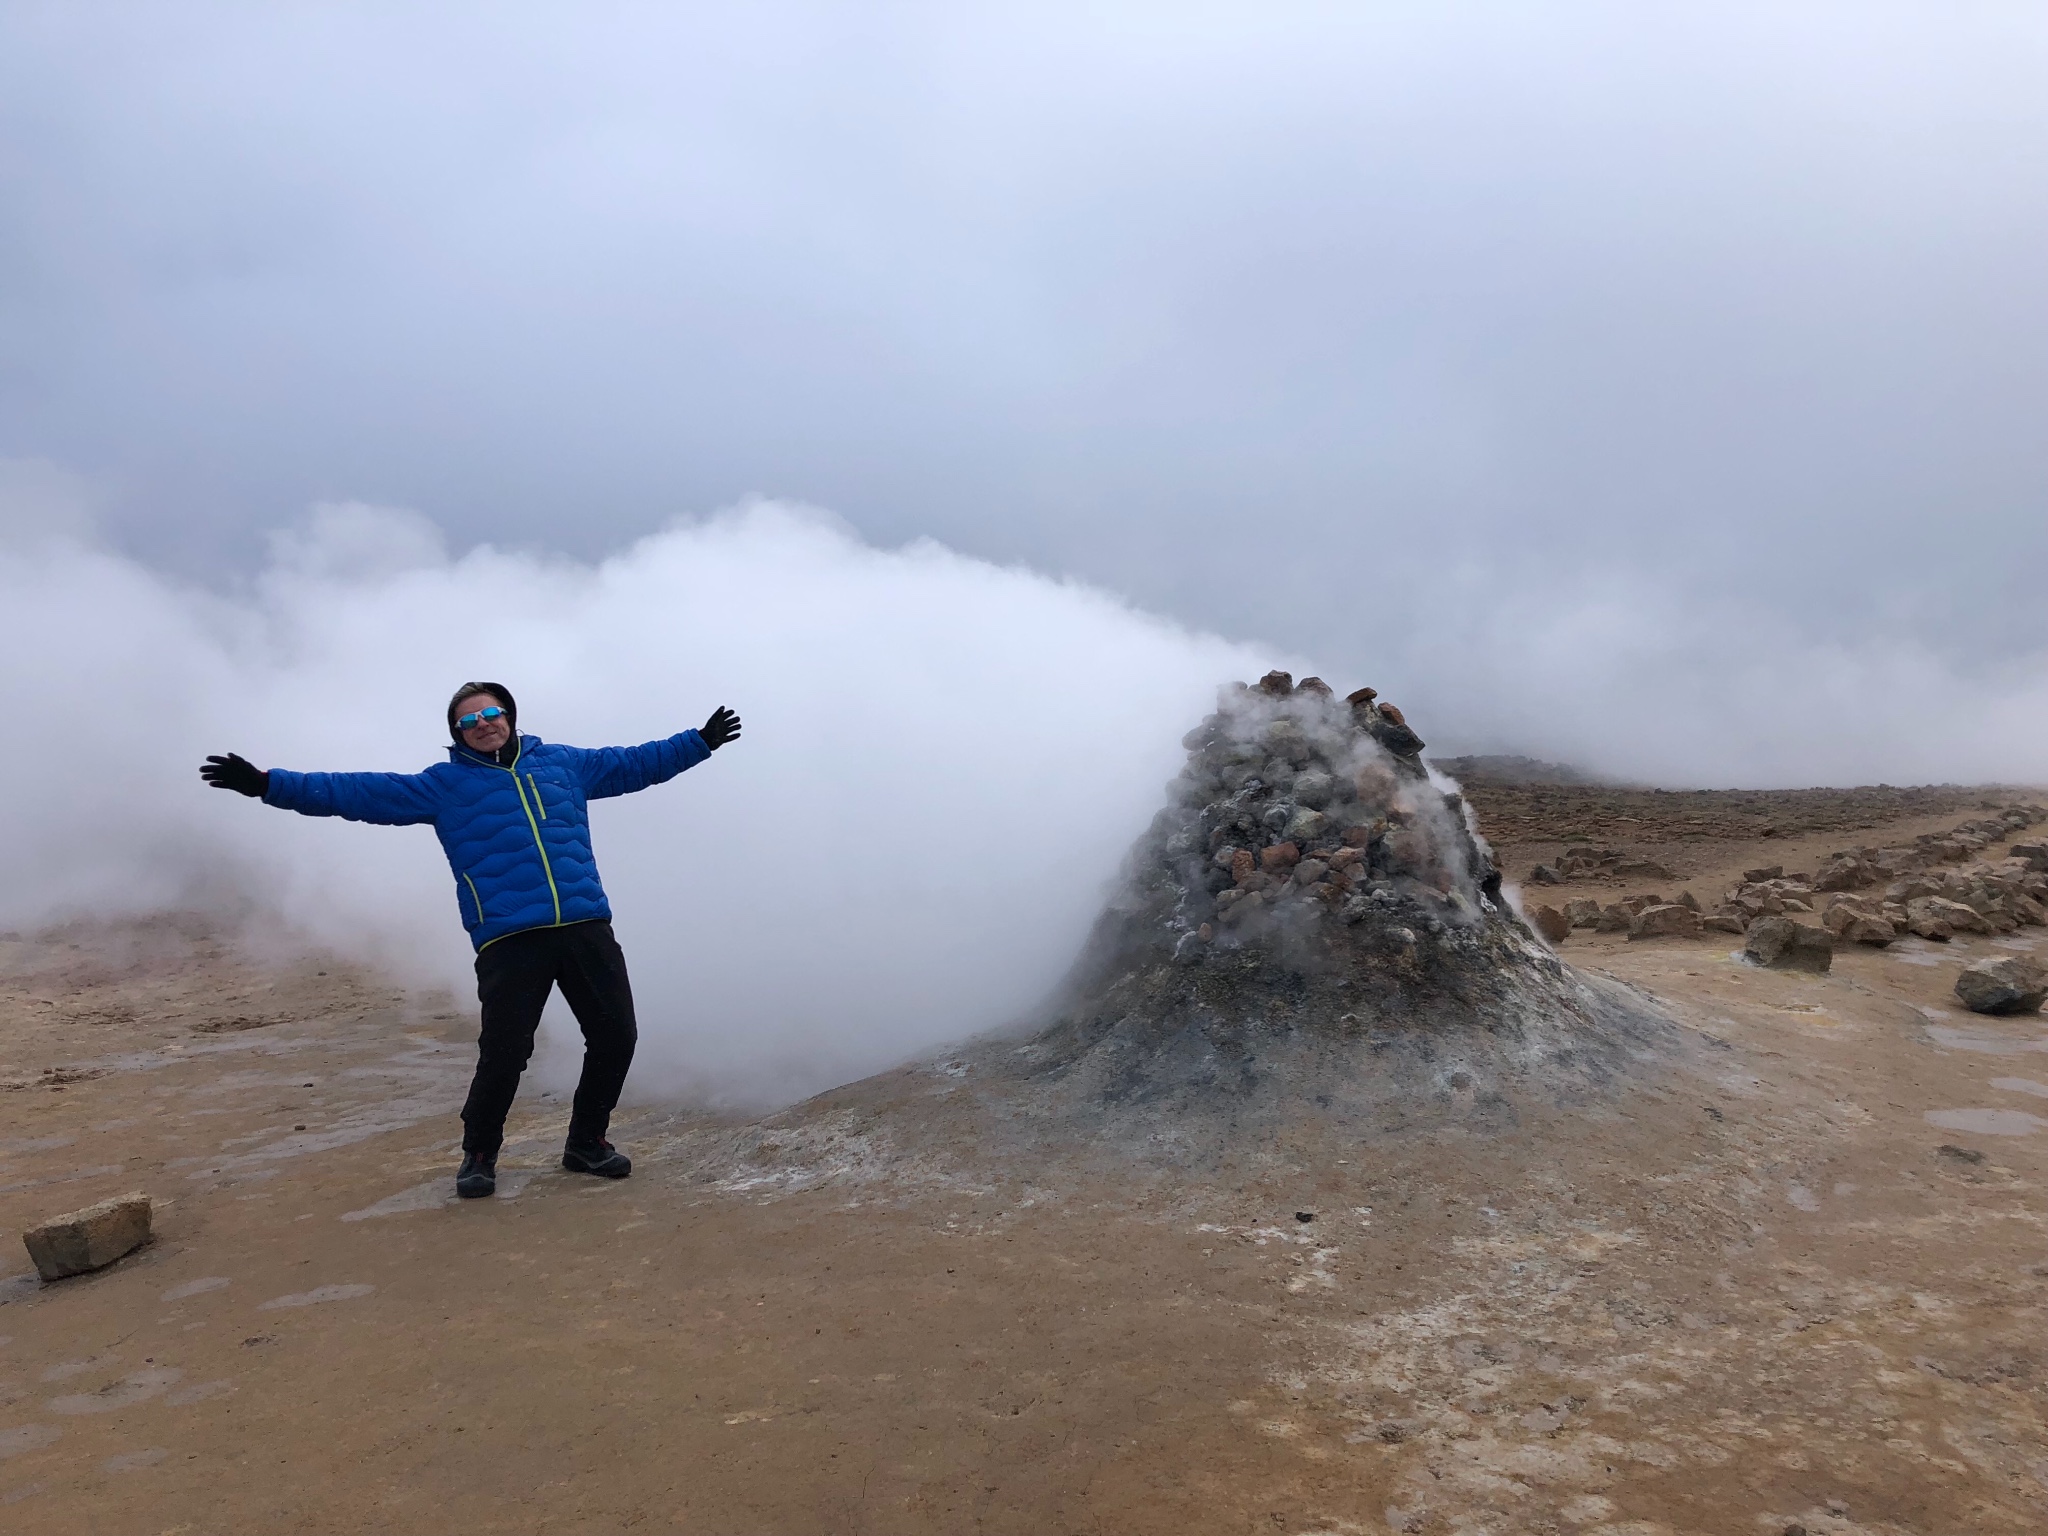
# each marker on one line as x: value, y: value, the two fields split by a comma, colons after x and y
x: 1348, y: 328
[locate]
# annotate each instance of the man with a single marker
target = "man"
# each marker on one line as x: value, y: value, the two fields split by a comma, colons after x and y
x: 512, y: 814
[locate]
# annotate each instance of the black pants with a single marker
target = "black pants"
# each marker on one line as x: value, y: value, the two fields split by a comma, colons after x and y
x: 514, y: 976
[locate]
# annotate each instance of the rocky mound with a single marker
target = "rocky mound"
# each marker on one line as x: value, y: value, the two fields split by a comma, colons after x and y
x: 1314, y: 923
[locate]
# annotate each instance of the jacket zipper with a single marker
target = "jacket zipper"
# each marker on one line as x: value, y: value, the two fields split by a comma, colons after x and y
x: 478, y: 900
x: 546, y: 868
x: 535, y: 785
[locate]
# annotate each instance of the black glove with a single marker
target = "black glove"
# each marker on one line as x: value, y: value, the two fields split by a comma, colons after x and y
x: 723, y: 726
x: 235, y: 772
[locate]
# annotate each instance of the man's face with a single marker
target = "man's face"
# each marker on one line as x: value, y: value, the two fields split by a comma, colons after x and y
x: 485, y: 735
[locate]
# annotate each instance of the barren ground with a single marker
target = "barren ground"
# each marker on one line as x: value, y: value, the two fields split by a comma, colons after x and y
x: 1798, y: 1280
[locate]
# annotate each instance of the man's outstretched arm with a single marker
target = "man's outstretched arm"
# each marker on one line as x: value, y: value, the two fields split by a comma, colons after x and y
x: 387, y: 799
x: 621, y: 770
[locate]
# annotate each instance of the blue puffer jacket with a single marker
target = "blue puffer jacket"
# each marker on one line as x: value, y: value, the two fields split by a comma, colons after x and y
x: 518, y: 838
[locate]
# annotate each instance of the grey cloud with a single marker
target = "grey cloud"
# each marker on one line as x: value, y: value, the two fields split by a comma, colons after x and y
x: 1421, y: 342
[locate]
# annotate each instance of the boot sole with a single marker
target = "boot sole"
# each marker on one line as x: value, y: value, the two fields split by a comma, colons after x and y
x: 598, y: 1172
x: 471, y: 1192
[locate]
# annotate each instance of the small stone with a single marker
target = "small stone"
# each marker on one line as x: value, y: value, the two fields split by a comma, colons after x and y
x: 1315, y: 788
x: 1304, y: 1215
x: 2036, y: 855
x: 1780, y: 944
x: 1724, y: 922
x: 1205, y: 933
x: 1670, y: 921
x: 1278, y: 857
x: 1305, y: 825
x: 89, y: 1239
x: 1278, y: 683
x: 1309, y: 871
x: 1551, y: 923
x: 2008, y: 984
x: 1767, y: 872
x: 1687, y: 899
x: 1357, y: 837
x: 1543, y: 874
x: 1315, y: 685
x: 1243, y: 865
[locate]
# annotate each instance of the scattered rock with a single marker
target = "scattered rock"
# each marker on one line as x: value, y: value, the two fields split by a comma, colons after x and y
x: 1669, y: 921
x: 2035, y: 855
x: 1936, y: 917
x: 1758, y: 876
x: 1687, y: 899
x: 1642, y: 869
x: 1614, y: 919
x: 1551, y: 923
x: 1583, y: 912
x: 1960, y: 1154
x: 1277, y: 683
x: 1851, y: 925
x: 1780, y: 944
x: 2008, y: 984
x: 1724, y: 922
x: 1543, y: 874
x: 89, y: 1239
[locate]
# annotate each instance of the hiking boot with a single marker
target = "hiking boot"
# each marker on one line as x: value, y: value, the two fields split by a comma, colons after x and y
x: 598, y: 1157
x: 477, y: 1177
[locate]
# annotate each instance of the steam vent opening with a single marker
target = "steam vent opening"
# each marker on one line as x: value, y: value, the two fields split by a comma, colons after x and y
x: 1314, y: 928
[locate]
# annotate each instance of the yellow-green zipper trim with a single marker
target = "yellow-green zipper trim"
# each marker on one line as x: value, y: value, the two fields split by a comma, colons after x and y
x: 534, y: 784
x: 545, y: 867
x: 474, y: 898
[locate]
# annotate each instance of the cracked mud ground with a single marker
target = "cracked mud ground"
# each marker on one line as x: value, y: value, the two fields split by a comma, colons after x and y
x: 1797, y: 1280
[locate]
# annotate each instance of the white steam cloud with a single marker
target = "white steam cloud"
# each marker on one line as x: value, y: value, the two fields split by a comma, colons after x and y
x: 943, y: 764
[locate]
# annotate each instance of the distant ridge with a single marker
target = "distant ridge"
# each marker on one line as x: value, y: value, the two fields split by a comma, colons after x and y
x: 1510, y: 768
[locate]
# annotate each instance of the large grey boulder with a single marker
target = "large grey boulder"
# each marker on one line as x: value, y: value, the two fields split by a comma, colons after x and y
x: 1783, y: 945
x: 2008, y: 984
x: 89, y: 1239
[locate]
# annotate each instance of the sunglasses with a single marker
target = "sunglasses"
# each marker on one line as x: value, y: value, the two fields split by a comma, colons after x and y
x: 477, y: 717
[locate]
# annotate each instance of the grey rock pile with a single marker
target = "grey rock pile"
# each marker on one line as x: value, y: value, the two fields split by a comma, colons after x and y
x: 1299, y: 813
x: 1585, y: 861
x: 1935, y: 886
x: 1314, y: 924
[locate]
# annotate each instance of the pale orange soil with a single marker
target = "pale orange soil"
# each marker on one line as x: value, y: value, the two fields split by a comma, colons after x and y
x: 1738, y: 1291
